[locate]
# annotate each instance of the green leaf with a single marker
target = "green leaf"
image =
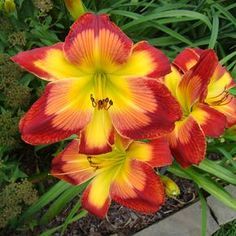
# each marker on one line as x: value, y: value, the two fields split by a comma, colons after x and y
x: 211, y: 187
x: 227, y: 155
x: 173, y: 33
x: 218, y: 171
x: 73, y: 211
x: 57, y: 206
x: 228, y: 57
x: 167, y: 14
x: 214, y: 31
x: 204, y: 212
x: 49, y: 232
x: 174, y: 169
x: 233, y: 91
x: 225, y: 12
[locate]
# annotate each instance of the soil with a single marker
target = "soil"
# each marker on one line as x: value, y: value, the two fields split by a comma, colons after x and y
x: 122, y: 221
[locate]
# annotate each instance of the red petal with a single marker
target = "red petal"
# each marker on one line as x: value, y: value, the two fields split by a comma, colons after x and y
x: 159, y: 63
x: 98, y: 136
x: 99, y: 211
x: 71, y: 166
x: 228, y: 108
x: 193, y: 86
x: 94, y: 41
x: 62, y: 110
x: 146, y: 111
x: 187, y: 59
x: 139, y: 188
x: 47, y: 63
x: 156, y: 152
x: 187, y: 142
x: 211, y: 121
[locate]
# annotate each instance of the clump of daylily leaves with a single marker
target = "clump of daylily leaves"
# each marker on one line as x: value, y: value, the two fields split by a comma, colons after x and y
x: 114, y: 94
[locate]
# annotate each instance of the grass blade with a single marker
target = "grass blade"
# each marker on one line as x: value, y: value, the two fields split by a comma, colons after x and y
x: 218, y: 171
x: 167, y: 14
x: 50, y: 232
x: 211, y: 187
x: 204, y: 213
x: 214, y: 31
x: 61, y: 202
x: 49, y: 196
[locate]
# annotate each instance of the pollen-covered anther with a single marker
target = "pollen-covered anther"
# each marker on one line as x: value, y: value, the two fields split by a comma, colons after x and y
x: 101, y: 103
x: 92, y: 164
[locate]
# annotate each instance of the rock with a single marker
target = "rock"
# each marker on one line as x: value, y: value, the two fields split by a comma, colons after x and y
x: 222, y: 213
x: 186, y: 222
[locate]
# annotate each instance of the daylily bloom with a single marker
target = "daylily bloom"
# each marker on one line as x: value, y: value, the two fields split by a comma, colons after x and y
x: 201, y: 86
x: 124, y: 175
x: 100, y: 82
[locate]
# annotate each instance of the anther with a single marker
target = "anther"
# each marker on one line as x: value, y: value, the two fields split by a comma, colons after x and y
x: 92, y: 164
x: 94, y: 103
x: 223, y: 101
x: 110, y: 104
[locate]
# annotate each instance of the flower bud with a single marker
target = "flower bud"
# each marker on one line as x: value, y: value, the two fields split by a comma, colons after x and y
x: 171, y: 188
x: 75, y: 7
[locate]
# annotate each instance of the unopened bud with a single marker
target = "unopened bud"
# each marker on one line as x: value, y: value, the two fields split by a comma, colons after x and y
x: 171, y: 188
x: 75, y: 7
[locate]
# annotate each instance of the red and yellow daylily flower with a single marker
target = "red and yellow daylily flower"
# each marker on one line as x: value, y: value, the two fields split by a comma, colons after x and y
x: 99, y: 82
x: 201, y: 86
x: 124, y: 175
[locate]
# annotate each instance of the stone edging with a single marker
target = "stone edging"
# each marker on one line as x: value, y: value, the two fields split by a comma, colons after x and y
x: 187, y: 222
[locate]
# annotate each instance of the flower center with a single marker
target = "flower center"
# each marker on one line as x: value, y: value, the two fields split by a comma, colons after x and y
x: 99, y: 100
x: 110, y: 160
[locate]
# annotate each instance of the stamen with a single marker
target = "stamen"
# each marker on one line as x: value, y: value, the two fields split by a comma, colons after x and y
x: 101, y: 103
x: 224, y: 91
x: 110, y: 104
x: 223, y: 100
x: 223, y: 104
x: 94, y: 103
x: 92, y: 164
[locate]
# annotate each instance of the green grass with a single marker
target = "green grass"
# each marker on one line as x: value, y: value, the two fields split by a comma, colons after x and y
x: 173, y: 25
x: 228, y: 229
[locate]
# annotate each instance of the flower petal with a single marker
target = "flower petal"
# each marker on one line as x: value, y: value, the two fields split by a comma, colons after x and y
x: 138, y: 188
x: 48, y: 63
x: 145, y: 60
x: 187, y: 59
x: 122, y: 143
x: 187, y: 142
x: 220, y: 83
x: 98, y: 136
x: 193, y: 85
x: 142, y: 108
x: 156, y: 152
x: 94, y: 42
x: 172, y: 80
x: 211, y: 121
x: 64, y: 109
x: 228, y: 108
x: 72, y: 166
x: 96, y: 197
